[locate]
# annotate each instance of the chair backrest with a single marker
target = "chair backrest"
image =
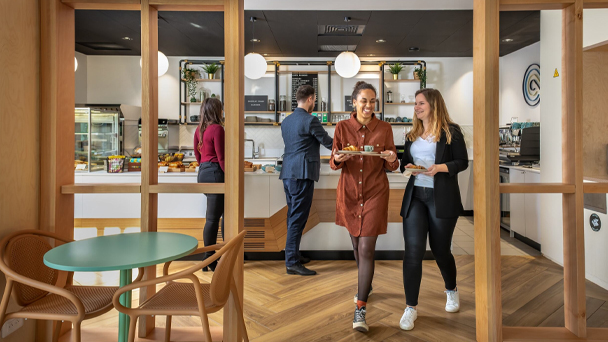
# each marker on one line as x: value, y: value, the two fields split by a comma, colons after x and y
x: 24, y: 255
x: 222, y: 276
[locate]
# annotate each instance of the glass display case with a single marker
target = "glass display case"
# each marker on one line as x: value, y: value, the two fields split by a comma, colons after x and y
x: 98, y: 135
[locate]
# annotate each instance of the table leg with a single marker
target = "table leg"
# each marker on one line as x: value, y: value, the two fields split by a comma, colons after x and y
x: 125, y: 300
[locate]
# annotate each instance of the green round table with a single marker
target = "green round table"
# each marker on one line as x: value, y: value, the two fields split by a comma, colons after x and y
x: 122, y: 252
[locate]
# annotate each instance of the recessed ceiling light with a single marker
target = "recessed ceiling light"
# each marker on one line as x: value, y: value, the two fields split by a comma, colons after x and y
x: 265, y: 54
x: 414, y: 48
x: 371, y: 55
x: 196, y: 25
x: 507, y: 40
x: 255, y: 40
x: 380, y: 41
x: 127, y: 38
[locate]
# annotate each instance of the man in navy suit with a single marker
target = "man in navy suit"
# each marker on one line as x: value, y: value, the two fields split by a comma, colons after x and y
x: 302, y: 135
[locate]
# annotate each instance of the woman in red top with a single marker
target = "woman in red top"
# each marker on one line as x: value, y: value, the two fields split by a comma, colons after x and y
x: 209, y: 152
x: 363, y: 190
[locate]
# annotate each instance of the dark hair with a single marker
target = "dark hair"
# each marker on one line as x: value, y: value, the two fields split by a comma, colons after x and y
x: 361, y: 85
x: 211, y: 113
x: 304, y: 92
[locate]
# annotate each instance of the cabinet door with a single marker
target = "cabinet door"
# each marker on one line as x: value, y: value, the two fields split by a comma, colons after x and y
x: 518, y: 205
x: 532, y: 209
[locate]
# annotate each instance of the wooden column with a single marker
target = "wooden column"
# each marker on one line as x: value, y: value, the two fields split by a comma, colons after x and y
x: 234, y: 50
x: 572, y: 168
x: 485, y: 162
x: 56, y: 116
x: 149, y: 140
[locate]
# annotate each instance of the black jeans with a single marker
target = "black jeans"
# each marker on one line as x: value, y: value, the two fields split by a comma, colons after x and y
x: 298, y: 193
x: 420, y: 221
x: 209, y: 172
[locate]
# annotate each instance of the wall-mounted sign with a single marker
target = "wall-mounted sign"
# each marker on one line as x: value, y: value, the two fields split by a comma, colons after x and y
x: 595, y: 222
x: 531, y: 85
x: 300, y: 79
x: 348, y: 103
x: 256, y: 103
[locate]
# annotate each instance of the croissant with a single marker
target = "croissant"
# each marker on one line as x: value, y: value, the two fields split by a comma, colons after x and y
x: 350, y: 148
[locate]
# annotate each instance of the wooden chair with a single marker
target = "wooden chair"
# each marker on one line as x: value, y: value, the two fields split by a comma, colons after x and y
x: 33, y: 285
x: 191, y: 298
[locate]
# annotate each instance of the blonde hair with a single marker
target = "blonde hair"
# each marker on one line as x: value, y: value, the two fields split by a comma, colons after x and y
x: 439, y: 117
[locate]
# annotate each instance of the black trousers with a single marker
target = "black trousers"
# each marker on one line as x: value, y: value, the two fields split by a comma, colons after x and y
x: 420, y: 221
x: 209, y: 172
x: 298, y: 193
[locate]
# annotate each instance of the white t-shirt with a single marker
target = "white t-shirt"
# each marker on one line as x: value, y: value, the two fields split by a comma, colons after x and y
x: 423, y: 153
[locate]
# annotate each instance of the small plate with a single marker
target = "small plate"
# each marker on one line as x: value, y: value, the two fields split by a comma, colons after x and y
x: 416, y: 170
x: 377, y: 154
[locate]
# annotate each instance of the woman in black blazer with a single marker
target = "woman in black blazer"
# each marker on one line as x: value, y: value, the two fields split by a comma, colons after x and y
x: 431, y: 203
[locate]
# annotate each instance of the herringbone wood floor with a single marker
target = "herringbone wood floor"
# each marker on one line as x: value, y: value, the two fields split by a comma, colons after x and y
x: 282, y: 308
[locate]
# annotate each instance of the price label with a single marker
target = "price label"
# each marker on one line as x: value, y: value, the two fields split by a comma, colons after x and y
x: 81, y: 167
x: 163, y: 169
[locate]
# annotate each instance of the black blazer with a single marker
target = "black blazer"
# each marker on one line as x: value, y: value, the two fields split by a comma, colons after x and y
x: 447, y: 193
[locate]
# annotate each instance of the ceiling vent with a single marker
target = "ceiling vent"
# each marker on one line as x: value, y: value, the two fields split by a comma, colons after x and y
x: 341, y: 30
x: 336, y: 48
x: 104, y: 46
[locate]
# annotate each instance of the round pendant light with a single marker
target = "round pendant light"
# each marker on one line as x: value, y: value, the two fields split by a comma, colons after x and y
x: 255, y: 64
x: 75, y: 64
x: 347, y: 64
x: 163, y: 64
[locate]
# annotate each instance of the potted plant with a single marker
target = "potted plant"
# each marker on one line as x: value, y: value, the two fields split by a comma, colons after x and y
x: 211, y: 69
x: 420, y: 74
x: 395, y: 69
x: 189, y: 76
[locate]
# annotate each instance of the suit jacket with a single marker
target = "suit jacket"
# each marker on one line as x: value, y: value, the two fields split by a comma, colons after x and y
x: 447, y: 193
x: 303, y: 135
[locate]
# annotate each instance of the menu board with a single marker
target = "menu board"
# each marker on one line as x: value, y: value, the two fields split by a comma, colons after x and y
x: 300, y: 79
x: 256, y: 103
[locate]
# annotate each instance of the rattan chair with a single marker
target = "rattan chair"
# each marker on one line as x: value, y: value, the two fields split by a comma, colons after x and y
x: 33, y: 285
x: 191, y: 298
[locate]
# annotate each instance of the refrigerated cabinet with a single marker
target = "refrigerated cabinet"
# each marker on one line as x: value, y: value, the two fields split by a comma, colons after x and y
x: 98, y: 135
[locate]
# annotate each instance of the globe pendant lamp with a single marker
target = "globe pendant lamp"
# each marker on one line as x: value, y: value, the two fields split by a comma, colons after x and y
x: 347, y: 64
x: 163, y: 64
x: 75, y: 64
x: 255, y: 64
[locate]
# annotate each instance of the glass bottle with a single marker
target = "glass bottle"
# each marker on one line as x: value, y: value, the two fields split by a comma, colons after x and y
x: 323, y: 105
x: 271, y: 105
x: 283, y: 103
x: 389, y: 96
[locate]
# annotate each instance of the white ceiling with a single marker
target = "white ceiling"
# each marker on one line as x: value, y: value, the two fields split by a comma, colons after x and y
x: 358, y: 5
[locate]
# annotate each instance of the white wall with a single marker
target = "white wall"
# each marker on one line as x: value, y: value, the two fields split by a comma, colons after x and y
x: 512, y: 69
x: 595, y: 30
x: 81, y: 78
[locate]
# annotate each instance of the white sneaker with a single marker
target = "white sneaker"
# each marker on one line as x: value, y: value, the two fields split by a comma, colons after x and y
x: 407, y: 320
x: 453, y: 302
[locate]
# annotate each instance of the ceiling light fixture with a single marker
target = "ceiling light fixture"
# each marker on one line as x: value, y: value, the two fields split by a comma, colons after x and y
x: 196, y: 25
x: 75, y: 64
x: 347, y: 64
x: 163, y: 64
x: 507, y: 40
x: 414, y: 48
x: 380, y: 41
x: 346, y: 19
x: 255, y: 64
x: 371, y: 55
x: 127, y: 38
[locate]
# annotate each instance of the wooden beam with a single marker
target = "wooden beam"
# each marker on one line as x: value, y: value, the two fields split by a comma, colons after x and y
x: 534, y: 5
x: 488, y: 309
x: 149, y: 141
x: 595, y: 188
x: 595, y: 4
x: 572, y: 169
x: 97, y: 188
x: 188, y: 188
x: 186, y: 2
x: 536, y: 188
x: 191, y: 8
x: 124, y: 5
x: 56, y: 116
x: 234, y: 50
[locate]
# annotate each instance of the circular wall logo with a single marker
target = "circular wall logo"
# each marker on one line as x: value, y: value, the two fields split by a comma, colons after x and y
x: 595, y: 222
x: 531, y: 85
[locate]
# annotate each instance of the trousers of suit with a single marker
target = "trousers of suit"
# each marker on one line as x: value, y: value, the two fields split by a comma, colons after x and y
x: 298, y: 193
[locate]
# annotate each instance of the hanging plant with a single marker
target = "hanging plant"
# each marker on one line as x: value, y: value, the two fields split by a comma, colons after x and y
x: 189, y: 76
x: 420, y: 74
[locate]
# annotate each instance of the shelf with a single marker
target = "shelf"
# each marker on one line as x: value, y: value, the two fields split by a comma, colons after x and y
x: 205, y: 80
x: 262, y: 124
x: 401, y: 104
x: 405, y: 80
x: 259, y: 112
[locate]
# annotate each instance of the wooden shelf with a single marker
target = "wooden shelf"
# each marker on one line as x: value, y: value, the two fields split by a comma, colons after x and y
x: 259, y: 112
x: 262, y: 124
x: 188, y: 188
x: 205, y: 80
x: 118, y: 188
x: 405, y: 80
x: 189, y: 103
x: 401, y: 104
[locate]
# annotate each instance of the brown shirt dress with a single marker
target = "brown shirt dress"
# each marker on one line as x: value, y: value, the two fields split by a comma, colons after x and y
x: 363, y: 191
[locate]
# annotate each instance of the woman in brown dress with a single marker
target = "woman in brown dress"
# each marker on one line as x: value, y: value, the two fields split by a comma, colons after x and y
x: 363, y: 191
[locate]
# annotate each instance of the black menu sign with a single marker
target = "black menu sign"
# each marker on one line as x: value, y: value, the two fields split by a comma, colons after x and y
x: 256, y: 103
x: 300, y: 79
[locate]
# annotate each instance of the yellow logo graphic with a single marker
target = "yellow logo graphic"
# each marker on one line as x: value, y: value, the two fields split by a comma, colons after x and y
x: 555, y: 74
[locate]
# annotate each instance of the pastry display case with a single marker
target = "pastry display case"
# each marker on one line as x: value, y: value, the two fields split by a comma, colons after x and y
x: 98, y: 134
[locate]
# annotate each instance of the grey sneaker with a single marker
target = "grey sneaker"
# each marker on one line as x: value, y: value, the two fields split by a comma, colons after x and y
x: 371, y: 290
x: 359, y: 323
